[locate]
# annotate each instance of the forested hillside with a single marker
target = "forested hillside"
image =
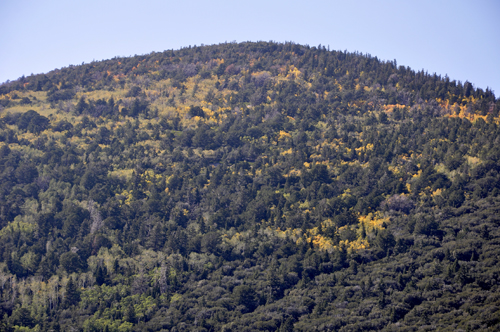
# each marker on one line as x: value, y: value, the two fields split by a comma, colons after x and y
x: 248, y: 187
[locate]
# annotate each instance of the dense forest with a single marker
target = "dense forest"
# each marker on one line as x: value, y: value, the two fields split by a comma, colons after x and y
x: 248, y: 187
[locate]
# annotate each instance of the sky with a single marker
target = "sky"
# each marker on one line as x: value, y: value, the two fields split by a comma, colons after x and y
x: 458, y: 38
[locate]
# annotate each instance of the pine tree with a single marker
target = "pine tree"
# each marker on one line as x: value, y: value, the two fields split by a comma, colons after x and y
x: 129, y: 315
x: 287, y: 325
x: 72, y: 294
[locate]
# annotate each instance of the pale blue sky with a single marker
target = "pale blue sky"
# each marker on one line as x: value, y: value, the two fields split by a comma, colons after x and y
x: 458, y: 38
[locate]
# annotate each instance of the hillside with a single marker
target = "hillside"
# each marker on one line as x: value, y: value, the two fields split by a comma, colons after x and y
x: 248, y: 187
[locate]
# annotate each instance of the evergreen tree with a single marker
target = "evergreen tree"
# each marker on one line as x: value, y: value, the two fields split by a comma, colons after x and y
x: 72, y: 295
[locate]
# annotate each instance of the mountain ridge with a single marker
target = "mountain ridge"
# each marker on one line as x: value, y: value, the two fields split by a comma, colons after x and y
x: 253, y: 186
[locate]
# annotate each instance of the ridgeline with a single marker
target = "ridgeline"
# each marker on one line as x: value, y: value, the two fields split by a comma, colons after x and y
x: 248, y: 187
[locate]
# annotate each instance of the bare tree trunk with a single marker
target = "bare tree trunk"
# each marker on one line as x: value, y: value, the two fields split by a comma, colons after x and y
x: 95, y: 216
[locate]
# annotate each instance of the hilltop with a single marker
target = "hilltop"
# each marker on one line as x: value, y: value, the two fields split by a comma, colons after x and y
x: 243, y: 187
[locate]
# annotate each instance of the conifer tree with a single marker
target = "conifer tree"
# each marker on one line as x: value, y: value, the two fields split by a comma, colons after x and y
x: 72, y: 296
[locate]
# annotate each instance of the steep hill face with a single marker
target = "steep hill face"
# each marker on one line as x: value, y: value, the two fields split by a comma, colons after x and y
x: 244, y: 187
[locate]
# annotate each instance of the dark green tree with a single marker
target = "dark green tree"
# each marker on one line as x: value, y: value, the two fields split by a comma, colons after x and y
x: 72, y: 295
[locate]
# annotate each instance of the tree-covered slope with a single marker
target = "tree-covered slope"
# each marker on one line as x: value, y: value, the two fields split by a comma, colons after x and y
x: 248, y: 187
